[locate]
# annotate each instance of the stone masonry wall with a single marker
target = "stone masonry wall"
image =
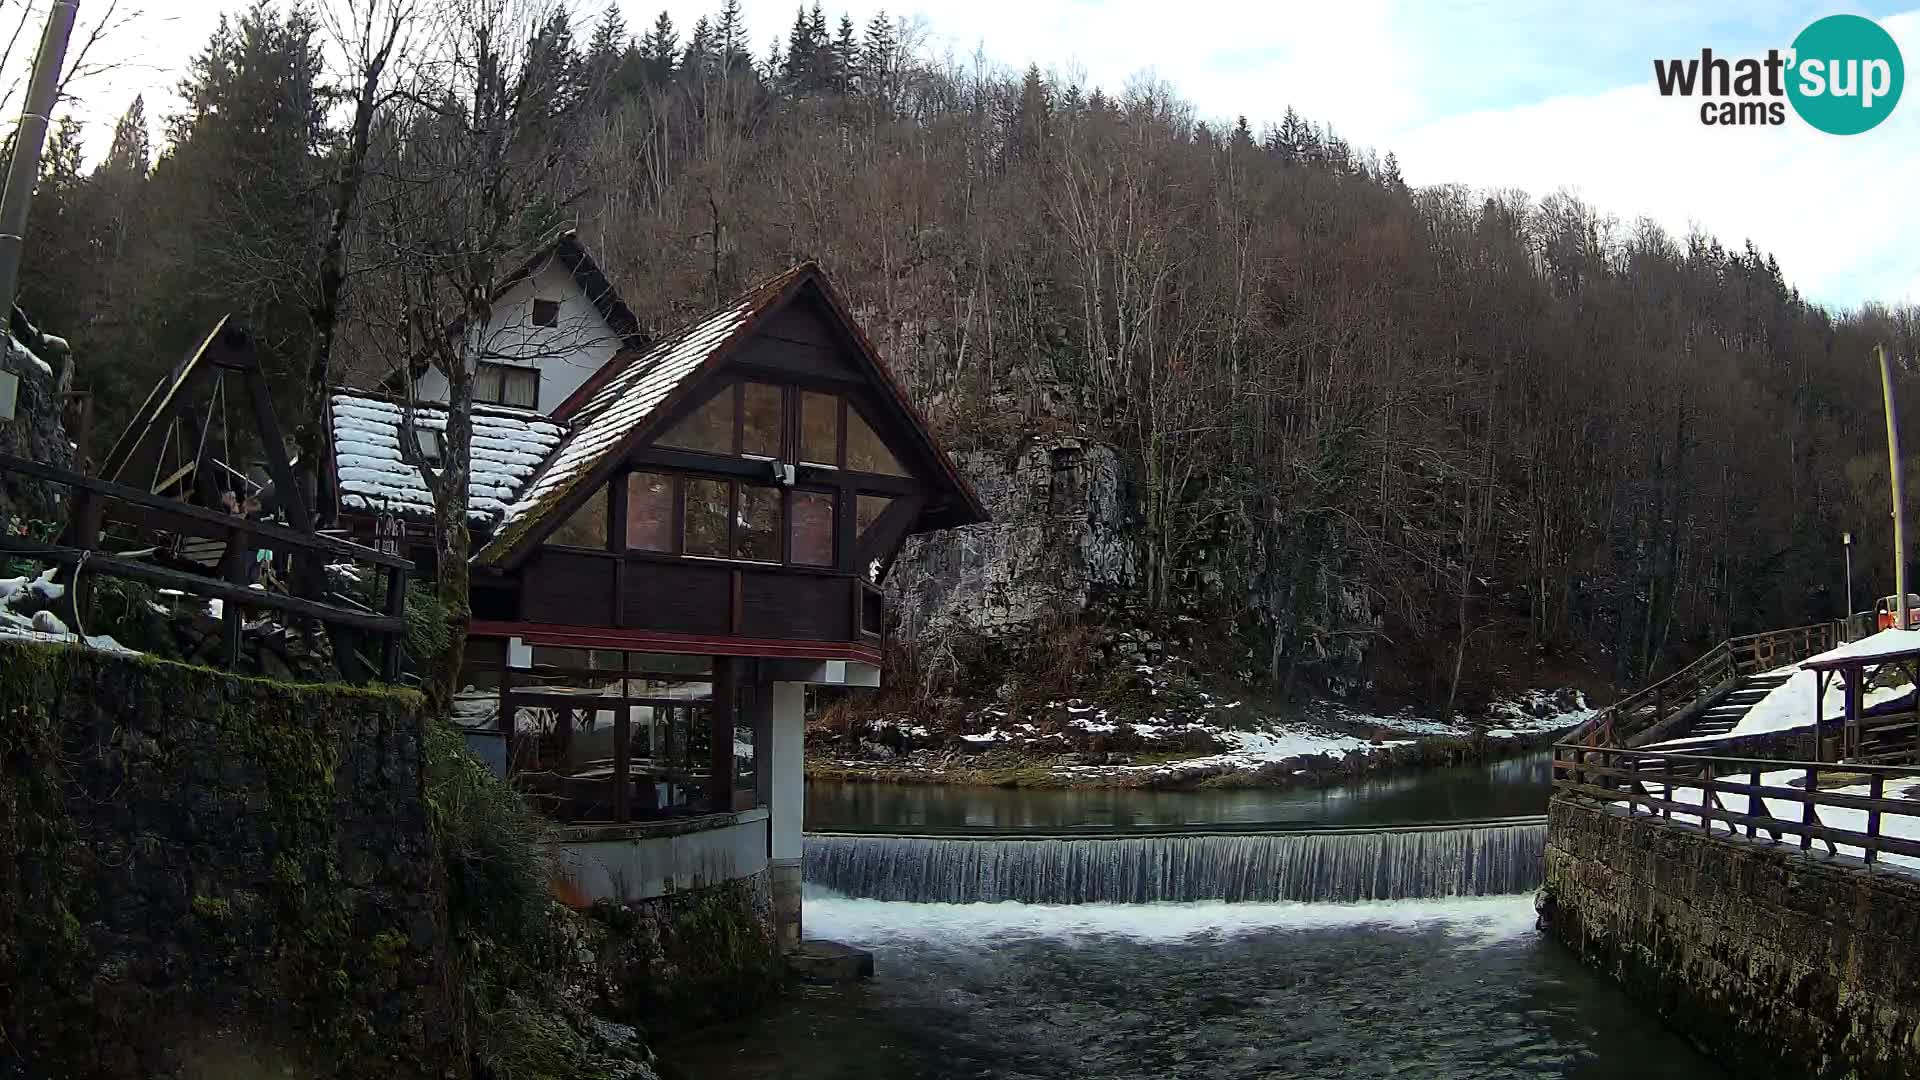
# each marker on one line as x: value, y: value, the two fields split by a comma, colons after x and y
x: 1778, y: 964
x: 206, y: 875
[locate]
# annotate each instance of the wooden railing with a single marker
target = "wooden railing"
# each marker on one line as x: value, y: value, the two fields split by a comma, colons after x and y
x: 95, y: 502
x: 1732, y: 795
x: 1684, y: 694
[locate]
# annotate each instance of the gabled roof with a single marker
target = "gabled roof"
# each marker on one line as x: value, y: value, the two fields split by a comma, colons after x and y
x: 621, y: 411
x: 508, y: 446
x: 567, y: 250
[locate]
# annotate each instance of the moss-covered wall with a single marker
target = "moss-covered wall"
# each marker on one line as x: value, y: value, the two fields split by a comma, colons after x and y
x: 209, y: 875
x: 690, y: 957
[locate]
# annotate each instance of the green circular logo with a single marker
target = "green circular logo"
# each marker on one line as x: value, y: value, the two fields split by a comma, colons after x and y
x: 1846, y: 74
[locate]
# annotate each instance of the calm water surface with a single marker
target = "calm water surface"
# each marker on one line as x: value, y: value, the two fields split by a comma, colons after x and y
x: 1408, y: 989
x: 1502, y: 789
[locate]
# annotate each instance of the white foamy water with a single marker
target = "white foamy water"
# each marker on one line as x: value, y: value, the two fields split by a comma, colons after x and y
x: 1475, y: 920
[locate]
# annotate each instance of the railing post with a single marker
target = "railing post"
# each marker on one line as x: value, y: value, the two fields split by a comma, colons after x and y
x: 1875, y: 790
x: 1753, y: 803
x: 1806, y: 808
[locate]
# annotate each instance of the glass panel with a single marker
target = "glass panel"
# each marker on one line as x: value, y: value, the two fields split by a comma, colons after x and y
x: 551, y: 656
x: 819, y: 429
x: 520, y: 388
x: 670, y: 662
x: 587, y: 527
x: 868, y: 511
x: 486, y: 382
x: 813, y: 528
x: 608, y: 660
x: 760, y: 433
x: 707, y: 507
x: 865, y: 451
x: 759, y: 524
x: 649, y: 512
x: 710, y: 428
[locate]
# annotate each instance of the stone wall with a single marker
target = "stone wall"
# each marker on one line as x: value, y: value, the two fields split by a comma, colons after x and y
x: 1061, y: 541
x: 692, y: 956
x: 202, y: 874
x: 1776, y: 963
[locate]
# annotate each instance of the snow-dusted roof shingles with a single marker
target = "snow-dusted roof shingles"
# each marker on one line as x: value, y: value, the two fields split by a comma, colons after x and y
x: 629, y: 399
x: 509, y: 446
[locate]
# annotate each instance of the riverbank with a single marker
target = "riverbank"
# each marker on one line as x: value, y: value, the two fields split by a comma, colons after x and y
x: 1076, y: 745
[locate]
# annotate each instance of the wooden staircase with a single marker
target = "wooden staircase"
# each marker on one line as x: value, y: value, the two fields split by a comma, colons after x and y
x: 1710, y: 695
x: 1725, y: 715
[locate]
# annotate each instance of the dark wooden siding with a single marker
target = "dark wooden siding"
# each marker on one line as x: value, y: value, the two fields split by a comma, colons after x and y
x: 564, y: 587
x: 806, y: 606
x: 683, y: 598
x: 764, y: 352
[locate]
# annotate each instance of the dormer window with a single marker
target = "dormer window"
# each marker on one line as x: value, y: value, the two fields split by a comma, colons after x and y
x: 504, y: 384
x: 431, y: 444
x: 546, y: 313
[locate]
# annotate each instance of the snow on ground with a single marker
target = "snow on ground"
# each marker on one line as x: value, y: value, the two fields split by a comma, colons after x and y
x: 11, y: 631
x: 1905, y: 826
x: 1534, y: 712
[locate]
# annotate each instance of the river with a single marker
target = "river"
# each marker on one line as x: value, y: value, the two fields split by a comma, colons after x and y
x: 1454, y: 986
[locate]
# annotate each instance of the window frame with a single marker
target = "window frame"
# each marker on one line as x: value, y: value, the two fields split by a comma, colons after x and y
x: 540, y: 305
x: 506, y: 370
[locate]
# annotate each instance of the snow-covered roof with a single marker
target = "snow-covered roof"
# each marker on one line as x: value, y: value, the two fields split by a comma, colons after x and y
x: 509, y: 445
x: 1880, y: 646
x: 627, y: 401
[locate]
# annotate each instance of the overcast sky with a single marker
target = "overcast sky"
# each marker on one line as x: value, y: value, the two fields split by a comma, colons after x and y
x: 1529, y: 94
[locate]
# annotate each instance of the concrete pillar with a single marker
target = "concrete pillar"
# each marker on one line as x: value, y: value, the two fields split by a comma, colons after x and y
x: 785, y: 765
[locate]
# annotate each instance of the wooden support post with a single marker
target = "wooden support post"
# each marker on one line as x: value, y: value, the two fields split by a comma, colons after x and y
x: 390, y: 646
x: 233, y: 567
x: 622, y: 764
x: 1754, y: 806
x: 721, y: 719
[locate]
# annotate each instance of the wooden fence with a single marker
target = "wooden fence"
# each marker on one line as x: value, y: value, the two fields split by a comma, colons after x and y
x: 1650, y: 712
x: 1731, y: 795
x: 96, y: 502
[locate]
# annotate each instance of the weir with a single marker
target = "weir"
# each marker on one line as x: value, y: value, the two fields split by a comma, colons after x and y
x: 1478, y: 858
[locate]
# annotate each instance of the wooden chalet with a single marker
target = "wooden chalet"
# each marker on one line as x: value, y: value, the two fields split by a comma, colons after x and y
x: 671, y: 551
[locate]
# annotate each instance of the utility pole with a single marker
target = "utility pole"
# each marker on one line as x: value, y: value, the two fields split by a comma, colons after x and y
x: 1846, y: 545
x: 1899, y: 514
x: 28, y: 139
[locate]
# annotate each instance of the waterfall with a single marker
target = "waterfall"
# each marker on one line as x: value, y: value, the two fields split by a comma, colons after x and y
x: 1328, y: 866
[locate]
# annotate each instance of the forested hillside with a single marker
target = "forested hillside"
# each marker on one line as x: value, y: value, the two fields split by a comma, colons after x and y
x: 1472, y: 424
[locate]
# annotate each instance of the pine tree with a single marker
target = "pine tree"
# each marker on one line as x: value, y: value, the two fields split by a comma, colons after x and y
x: 877, y: 53
x: 659, y: 47
x: 1242, y: 138
x: 1293, y: 137
x: 1391, y: 172
x: 846, y: 57
x: 730, y: 38
x: 1031, y: 116
x: 131, y: 152
x: 697, y: 62
x: 797, y: 66
x: 605, y: 51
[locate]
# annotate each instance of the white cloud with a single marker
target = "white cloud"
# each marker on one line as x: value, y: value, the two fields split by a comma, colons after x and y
x: 1839, y: 212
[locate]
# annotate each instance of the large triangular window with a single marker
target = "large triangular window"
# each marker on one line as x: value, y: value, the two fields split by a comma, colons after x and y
x: 865, y: 451
x: 710, y: 428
